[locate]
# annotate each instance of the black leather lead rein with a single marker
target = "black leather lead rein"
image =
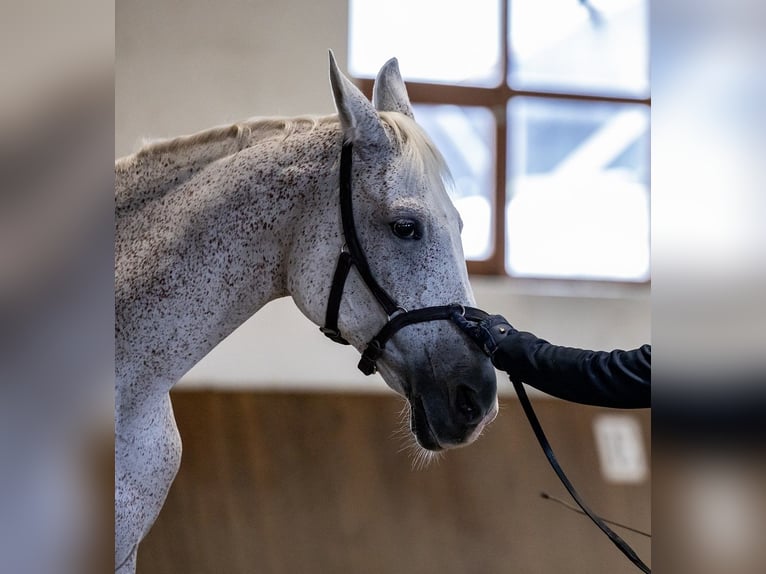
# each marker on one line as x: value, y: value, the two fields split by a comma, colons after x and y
x: 352, y: 255
x: 623, y: 546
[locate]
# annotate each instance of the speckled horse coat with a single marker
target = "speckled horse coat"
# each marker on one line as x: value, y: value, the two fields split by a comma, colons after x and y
x: 211, y: 227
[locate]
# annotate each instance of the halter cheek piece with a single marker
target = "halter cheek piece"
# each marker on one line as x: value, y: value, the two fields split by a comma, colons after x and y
x: 352, y: 255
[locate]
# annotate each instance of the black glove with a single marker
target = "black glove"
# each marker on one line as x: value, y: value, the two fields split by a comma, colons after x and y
x: 487, y: 333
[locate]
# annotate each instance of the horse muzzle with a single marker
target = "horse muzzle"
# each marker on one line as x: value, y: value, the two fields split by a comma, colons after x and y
x: 440, y: 424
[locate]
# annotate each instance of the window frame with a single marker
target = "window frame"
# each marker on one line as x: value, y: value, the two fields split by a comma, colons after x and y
x: 496, y: 99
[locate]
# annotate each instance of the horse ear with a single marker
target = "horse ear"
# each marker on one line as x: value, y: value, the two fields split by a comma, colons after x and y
x: 389, y: 92
x: 358, y: 118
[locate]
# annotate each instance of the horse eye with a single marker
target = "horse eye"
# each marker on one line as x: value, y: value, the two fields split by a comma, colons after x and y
x: 405, y: 229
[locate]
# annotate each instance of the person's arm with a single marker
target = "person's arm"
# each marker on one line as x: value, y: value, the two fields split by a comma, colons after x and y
x: 617, y: 379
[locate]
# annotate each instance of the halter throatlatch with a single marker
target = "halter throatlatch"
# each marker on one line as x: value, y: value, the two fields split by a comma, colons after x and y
x: 352, y: 255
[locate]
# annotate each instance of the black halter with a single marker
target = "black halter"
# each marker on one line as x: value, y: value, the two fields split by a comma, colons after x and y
x: 353, y: 255
x: 399, y: 317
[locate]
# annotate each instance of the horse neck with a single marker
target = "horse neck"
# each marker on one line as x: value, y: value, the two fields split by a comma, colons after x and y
x: 276, y: 188
x: 213, y: 250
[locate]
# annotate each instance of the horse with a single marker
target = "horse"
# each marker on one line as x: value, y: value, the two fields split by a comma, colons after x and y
x: 210, y: 227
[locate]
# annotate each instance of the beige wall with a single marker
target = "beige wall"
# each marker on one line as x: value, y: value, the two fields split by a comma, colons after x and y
x: 318, y: 483
x: 187, y: 65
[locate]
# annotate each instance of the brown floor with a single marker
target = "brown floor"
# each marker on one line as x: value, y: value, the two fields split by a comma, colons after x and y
x: 316, y: 483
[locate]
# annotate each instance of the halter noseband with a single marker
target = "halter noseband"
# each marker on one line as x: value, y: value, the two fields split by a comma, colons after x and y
x: 353, y: 255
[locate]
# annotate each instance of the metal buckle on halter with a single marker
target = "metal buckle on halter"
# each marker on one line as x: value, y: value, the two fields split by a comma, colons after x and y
x: 398, y: 311
x: 459, y: 306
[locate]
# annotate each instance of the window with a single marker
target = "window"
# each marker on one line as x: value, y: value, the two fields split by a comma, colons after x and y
x: 541, y: 108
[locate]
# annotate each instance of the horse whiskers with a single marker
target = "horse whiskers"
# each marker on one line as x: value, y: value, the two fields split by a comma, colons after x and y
x: 422, y: 458
x: 402, y: 431
x: 404, y: 413
x: 419, y: 456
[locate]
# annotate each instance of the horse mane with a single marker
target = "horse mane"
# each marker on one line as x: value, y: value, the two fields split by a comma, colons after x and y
x: 415, y: 145
x: 160, y: 165
x: 242, y: 134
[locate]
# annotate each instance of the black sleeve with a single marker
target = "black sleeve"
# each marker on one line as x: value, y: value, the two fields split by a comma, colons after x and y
x: 617, y: 379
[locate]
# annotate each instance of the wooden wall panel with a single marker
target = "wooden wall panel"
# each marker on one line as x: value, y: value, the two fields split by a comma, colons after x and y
x: 316, y: 483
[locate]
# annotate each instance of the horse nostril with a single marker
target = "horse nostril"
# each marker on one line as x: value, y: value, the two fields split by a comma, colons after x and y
x: 466, y: 403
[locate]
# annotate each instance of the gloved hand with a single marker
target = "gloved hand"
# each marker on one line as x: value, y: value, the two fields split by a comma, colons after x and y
x: 487, y: 333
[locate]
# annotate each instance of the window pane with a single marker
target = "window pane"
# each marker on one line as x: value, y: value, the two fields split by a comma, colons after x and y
x: 578, y: 194
x: 598, y: 46
x: 466, y: 137
x: 441, y: 41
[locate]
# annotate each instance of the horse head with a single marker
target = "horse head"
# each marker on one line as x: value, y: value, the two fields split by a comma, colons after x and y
x: 409, y: 233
